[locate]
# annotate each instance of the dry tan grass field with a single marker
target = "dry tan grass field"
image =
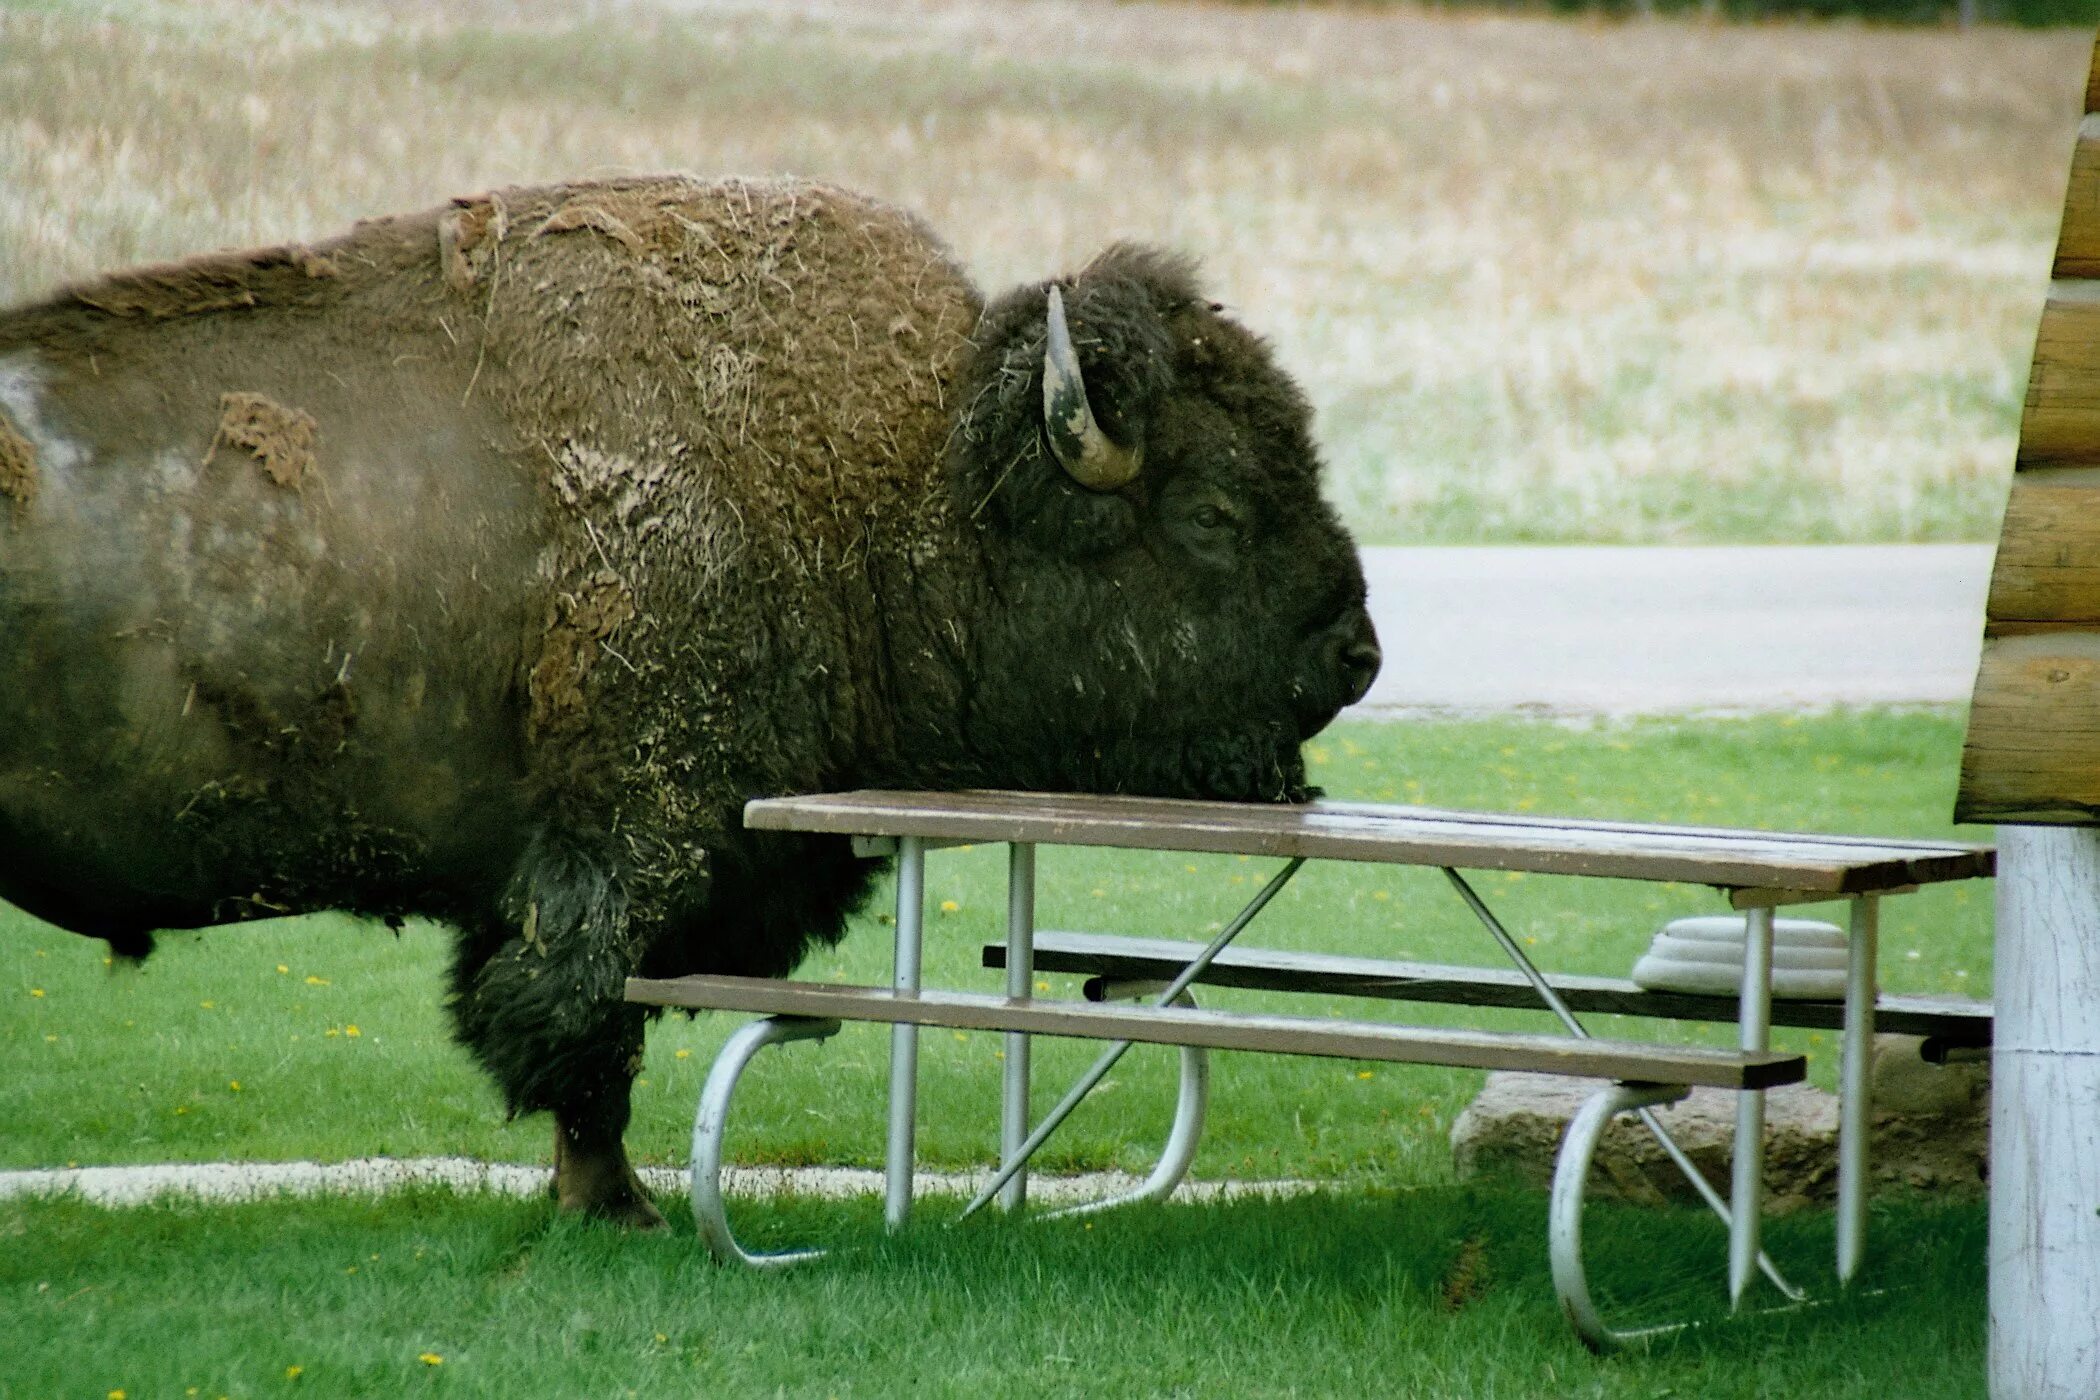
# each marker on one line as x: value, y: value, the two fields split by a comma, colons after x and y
x: 1545, y: 279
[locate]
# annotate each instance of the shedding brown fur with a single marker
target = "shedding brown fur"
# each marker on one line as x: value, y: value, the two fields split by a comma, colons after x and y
x: 17, y: 465
x: 465, y: 234
x: 578, y: 625
x: 213, y: 282
x: 282, y: 439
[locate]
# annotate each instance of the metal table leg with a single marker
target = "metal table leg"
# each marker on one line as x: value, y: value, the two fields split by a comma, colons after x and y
x: 1190, y: 1104
x: 710, y: 1212
x: 1571, y: 1172
x: 904, y: 1039
x: 1747, y: 1198
x: 1855, y: 1088
x: 1020, y: 984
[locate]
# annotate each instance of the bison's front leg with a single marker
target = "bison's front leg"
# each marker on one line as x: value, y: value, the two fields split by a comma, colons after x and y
x: 537, y: 996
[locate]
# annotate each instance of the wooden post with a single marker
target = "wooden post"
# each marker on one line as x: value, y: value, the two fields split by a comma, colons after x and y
x: 2045, y: 1117
x: 2031, y: 763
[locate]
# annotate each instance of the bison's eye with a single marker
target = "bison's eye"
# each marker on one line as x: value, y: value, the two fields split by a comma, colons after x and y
x: 1210, y: 517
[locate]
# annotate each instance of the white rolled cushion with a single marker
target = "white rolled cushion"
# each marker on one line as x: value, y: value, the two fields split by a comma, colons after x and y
x: 1704, y: 955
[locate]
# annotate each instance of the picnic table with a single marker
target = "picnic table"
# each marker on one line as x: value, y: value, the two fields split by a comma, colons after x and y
x: 1755, y: 871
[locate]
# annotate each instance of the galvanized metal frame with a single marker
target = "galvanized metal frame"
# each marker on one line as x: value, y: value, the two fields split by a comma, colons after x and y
x: 1742, y: 1212
x: 1730, y: 1214
x: 1191, y: 1104
x: 710, y: 1211
x: 1571, y: 1172
x: 1016, y: 1160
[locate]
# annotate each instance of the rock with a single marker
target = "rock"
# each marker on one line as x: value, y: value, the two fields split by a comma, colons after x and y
x: 1929, y: 1133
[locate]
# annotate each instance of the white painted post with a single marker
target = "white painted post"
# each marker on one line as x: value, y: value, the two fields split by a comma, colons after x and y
x: 2045, y: 1117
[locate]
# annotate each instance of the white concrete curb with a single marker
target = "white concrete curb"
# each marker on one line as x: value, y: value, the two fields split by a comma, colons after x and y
x: 249, y: 1181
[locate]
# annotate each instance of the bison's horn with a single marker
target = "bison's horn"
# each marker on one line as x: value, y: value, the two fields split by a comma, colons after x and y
x: 1083, y: 449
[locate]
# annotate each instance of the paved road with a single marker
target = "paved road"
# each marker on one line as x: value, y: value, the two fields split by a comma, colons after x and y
x: 1629, y: 630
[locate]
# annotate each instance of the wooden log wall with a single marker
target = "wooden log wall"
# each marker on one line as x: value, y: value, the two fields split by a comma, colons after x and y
x: 2033, y: 749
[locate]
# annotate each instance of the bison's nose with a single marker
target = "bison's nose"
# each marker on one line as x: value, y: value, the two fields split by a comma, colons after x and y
x: 1361, y: 662
x: 1356, y: 656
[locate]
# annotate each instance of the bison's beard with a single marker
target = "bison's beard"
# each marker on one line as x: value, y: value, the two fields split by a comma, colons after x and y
x: 1263, y: 765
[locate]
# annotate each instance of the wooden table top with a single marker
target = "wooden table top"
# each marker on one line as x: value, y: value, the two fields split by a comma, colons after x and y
x: 1833, y: 866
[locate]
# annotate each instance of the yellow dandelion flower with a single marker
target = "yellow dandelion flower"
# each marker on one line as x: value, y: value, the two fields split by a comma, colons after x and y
x: 208, y: 1005
x: 683, y: 1055
x: 234, y: 1084
x: 181, y: 1109
x: 431, y: 1358
x: 1363, y: 1074
x: 116, y: 1395
x: 50, y: 1040
x: 292, y: 1373
x: 949, y: 906
x: 313, y: 981
x: 282, y: 968
x: 352, y: 1030
x: 36, y: 991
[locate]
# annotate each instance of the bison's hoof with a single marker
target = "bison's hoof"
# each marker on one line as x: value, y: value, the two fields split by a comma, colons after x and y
x: 633, y: 1213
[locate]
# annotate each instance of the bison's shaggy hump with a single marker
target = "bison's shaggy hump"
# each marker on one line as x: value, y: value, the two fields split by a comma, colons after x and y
x: 726, y: 386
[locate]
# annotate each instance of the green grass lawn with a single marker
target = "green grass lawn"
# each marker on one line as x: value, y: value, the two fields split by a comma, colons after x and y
x: 323, y: 1038
x: 1438, y: 1292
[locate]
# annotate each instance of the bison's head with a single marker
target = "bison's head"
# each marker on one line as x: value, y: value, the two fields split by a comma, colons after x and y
x: 1174, y: 608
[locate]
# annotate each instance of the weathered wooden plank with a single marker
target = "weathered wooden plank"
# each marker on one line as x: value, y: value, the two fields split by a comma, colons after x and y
x: 2078, y: 242
x: 2061, y: 421
x: 1418, y: 836
x: 1219, y: 1030
x: 2033, y: 749
x: 2047, y: 572
x: 1959, y: 1022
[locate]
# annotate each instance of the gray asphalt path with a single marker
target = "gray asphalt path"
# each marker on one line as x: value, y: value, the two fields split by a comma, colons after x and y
x: 1578, y: 630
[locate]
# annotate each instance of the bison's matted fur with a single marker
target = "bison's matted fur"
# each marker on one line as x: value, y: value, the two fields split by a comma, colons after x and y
x: 479, y: 564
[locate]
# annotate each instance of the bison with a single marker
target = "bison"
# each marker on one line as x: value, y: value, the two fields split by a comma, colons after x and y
x: 479, y: 564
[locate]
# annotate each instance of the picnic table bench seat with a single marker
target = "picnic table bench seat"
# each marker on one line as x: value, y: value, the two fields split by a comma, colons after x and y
x: 1945, y: 1023
x: 1625, y: 1060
